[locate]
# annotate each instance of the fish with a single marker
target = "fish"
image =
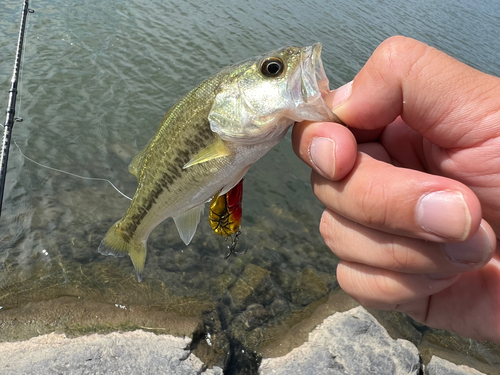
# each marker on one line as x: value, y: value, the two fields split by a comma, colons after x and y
x: 208, y: 140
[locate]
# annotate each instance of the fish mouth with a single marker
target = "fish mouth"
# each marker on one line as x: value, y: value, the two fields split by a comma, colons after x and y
x: 309, y: 86
x: 312, y: 66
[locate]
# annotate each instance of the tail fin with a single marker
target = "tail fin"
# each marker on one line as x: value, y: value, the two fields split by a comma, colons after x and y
x: 117, y: 244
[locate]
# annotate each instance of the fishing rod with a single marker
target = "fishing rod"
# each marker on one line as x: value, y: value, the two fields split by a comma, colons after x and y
x: 11, y: 105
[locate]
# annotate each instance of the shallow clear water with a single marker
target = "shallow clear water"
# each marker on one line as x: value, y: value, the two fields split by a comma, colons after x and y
x: 98, y: 77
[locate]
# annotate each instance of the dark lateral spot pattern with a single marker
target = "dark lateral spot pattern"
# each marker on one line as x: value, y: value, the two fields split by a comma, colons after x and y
x: 186, y: 149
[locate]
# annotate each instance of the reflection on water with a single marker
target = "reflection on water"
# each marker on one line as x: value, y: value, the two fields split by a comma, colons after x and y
x: 96, y: 81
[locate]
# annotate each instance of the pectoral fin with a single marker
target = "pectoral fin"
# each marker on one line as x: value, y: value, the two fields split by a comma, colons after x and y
x: 218, y: 149
x: 188, y: 222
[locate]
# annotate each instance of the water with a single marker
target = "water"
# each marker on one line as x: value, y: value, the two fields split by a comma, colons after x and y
x: 98, y: 77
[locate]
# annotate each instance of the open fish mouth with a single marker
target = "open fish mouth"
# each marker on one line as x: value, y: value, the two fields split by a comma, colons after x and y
x: 310, y: 81
x: 312, y: 64
x: 309, y: 85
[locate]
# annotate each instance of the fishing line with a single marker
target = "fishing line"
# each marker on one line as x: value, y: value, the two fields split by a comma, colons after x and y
x: 69, y: 173
x: 20, y: 119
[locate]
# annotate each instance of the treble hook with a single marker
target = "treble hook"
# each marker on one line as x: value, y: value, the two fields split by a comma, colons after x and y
x: 234, y: 241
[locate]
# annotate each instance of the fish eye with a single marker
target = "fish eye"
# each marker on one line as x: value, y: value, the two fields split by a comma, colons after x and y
x: 272, y: 67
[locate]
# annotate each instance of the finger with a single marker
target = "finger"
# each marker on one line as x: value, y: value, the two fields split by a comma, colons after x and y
x: 358, y: 244
x: 376, y: 151
x: 447, y: 309
x: 402, y: 201
x: 337, y: 96
x: 329, y: 148
x: 383, y: 289
x: 404, y: 145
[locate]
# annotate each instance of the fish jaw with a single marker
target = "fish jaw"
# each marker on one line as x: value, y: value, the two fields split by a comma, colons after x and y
x: 308, y: 87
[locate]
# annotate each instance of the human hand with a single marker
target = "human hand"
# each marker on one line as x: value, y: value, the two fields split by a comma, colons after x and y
x: 414, y: 211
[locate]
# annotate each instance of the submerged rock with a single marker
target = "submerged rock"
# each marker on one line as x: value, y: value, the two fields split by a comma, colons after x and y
x: 311, y: 285
x: 352, y: 342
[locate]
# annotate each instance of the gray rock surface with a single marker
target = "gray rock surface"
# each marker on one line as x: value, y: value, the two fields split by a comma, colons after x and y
x: 352, y: 342
x: 439, y: 366
x: 135, y: 352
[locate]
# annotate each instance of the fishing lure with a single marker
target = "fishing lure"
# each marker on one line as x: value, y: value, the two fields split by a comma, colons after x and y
x: 225, y: 215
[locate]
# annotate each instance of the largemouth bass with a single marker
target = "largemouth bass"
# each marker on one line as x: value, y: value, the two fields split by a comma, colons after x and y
x: 209, y: 139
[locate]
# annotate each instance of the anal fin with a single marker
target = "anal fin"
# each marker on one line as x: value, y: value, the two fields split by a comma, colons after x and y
x: 187, y: 223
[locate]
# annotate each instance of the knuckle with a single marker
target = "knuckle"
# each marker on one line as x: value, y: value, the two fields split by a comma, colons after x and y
x: 372, y: 204
x: 396, y: 257
x: 402, y: 55
x: 390, y: 49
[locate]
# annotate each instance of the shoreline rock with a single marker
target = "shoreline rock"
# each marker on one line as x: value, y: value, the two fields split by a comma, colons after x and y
x: 136, y: 352
x: 351, y: 342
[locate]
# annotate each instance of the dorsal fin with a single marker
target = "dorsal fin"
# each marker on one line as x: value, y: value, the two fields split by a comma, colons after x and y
x: 135, y: 165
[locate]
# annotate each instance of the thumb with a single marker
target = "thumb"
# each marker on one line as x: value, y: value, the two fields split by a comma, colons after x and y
x: 446, y: 101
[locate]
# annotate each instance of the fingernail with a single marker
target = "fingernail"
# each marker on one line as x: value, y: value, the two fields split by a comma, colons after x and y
x: 476, y: 250
x: 445, y: 214
x: 341, y: 94
x: 322, y: 155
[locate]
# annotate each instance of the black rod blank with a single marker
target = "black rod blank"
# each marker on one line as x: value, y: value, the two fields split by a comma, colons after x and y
x: 11, y: 106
